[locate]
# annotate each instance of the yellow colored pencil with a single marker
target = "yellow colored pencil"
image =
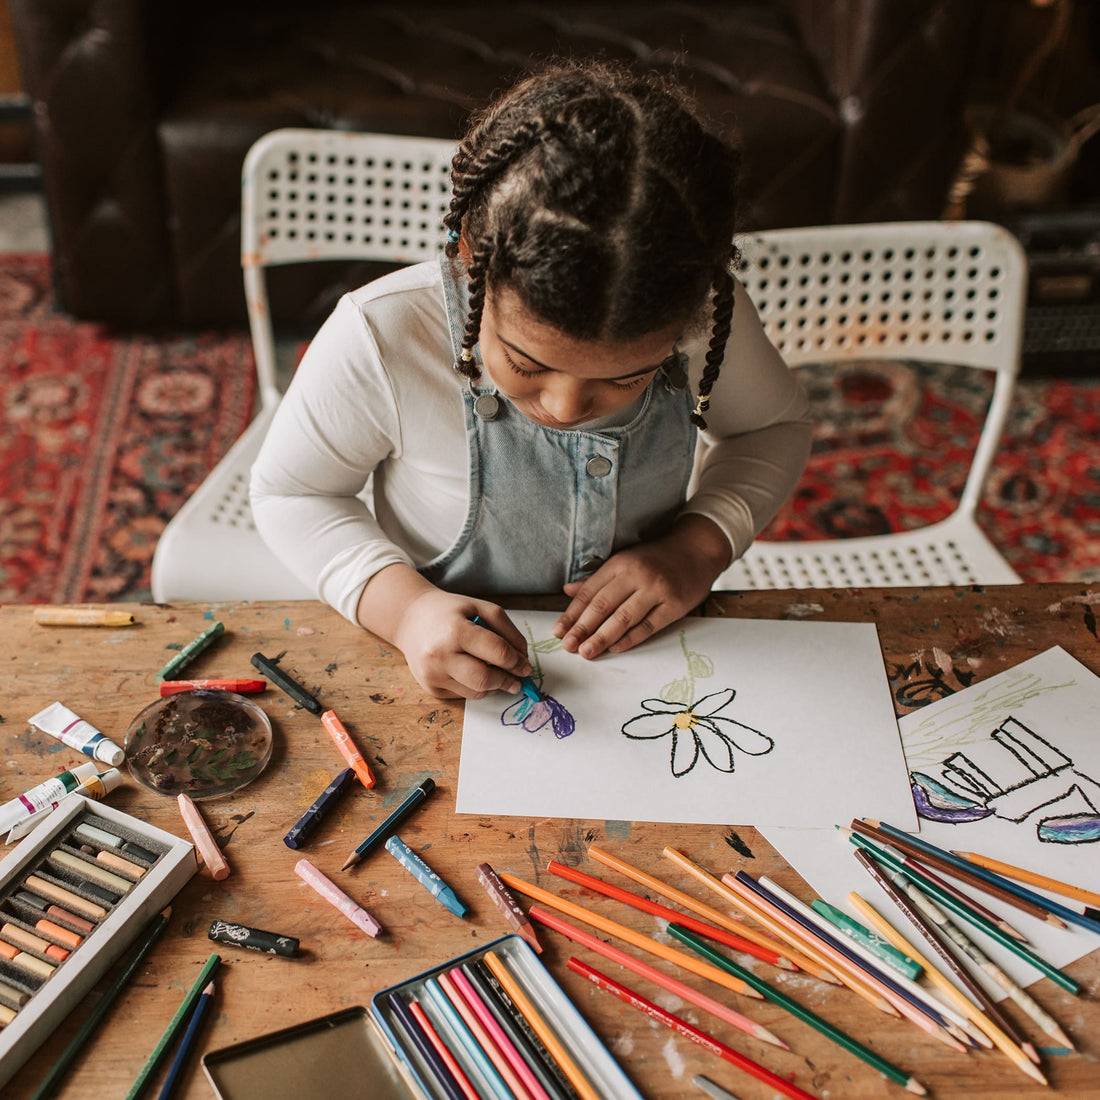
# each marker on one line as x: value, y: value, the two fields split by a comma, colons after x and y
x: 707, y: 912
x: 549, y: 1040
x: 635, y: 939
x: 991, y: 1030
x: 1032, y: 878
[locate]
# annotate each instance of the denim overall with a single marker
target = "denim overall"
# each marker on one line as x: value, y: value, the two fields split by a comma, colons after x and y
x: 548, y: 506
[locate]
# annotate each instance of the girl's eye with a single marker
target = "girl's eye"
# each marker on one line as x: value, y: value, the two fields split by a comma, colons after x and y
x: 517, y: 368
x: 634, y: 383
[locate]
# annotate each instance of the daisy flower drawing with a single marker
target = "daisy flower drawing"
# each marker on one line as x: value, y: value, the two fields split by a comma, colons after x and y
x: 698, y: 730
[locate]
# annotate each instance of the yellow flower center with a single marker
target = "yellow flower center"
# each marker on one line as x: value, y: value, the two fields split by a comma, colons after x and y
x: 684, y: 720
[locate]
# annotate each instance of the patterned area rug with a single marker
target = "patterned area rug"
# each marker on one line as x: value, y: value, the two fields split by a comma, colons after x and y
x: 103, y: 437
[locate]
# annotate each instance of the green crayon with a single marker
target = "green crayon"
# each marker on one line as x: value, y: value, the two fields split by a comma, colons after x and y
x: 190, y: 651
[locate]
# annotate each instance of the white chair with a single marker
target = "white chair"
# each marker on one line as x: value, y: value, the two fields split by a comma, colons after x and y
x: 306, y: 195
x: 938, y: 292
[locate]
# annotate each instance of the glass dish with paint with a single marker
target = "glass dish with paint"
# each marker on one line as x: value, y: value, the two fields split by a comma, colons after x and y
x: 198, y: 743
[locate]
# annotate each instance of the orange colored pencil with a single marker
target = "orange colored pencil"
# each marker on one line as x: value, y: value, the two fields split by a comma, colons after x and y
x: 1032, y: 878
x: 719, y: 935
x: 707, y: 912
x: 635, y: 939
x: 701, y: 1000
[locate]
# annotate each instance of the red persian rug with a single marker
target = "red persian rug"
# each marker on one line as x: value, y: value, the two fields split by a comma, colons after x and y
x: 103, y: 436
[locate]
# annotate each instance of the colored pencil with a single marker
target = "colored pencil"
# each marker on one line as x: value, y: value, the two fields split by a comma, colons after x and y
x: 902, y: 985
x: 635, y: 939
x: 807, y: 1016
x: 707, y: 912
x: 644, y: 970
x: 190, y: 651
x: 507, y: 905
x: 409, y: 803
x: 715, y: 1091
x: 1009, y: 892
x: 286, y: 683
x: 996, y: 1035
x: 183, y: 1052
x: 719, y: 935
x: 425, y: 1048
x: 144, y: 945
x: 531, y: 1014
x: 689, y: 1031
x: 216, y: 866
x: 477, y: 985
x: 802, y: 949
x: 1033, y: 878
x: 82, y: 616
x: 464, y: 1037
x: 493, y: 1041
x: 861, y: 934
x: 928, y: 1020
x: 177, y: 1023
x: 973, y: 952
x: 896, y: 862
x: 930, y: 937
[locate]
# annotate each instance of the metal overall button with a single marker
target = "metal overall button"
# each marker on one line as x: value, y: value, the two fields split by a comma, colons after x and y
x: 590, y: 565
x: 487, y: 406
x: 598, y: 466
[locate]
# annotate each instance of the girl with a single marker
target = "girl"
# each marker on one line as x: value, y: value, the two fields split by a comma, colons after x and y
x: 526, y: 404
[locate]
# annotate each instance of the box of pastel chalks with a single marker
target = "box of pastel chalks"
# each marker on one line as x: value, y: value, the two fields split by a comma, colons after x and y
x: 74, y: 894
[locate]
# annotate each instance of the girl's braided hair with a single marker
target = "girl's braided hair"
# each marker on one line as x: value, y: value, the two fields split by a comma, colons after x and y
x: 601, y: 200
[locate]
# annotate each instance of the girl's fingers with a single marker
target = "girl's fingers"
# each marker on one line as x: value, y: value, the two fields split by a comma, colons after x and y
x: 498, y: 641
x: 614, y: 612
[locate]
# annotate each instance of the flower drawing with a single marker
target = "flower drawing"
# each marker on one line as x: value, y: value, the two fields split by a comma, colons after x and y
x: 532, y: 715
x: 698, y: 730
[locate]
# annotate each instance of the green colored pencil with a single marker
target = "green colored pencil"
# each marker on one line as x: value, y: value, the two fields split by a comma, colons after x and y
x: 903, y: 867
x: 61, y: 1066
x: 190, y: 651
x: 701, y: 947
x: 171, y: 1032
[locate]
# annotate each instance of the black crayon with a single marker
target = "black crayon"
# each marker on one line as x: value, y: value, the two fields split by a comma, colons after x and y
x: 255, y: 939
x: 309, y: 821
x: 286, y: 683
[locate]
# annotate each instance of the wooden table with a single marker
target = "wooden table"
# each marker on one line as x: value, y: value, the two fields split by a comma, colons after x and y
x: 934, y: 641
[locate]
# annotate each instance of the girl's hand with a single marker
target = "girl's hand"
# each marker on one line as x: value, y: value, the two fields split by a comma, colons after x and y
x: 449, y: 655
x: 642, y: 589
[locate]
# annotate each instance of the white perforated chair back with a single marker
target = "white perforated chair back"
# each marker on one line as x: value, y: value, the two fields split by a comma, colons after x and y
x: 306, y: 195
x: 939, y: 292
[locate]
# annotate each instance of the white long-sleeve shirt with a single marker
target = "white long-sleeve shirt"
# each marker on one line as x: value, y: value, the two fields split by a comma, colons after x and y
x: 376, y: 395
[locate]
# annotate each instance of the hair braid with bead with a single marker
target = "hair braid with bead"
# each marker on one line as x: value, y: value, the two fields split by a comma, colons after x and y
x: 599, y: 198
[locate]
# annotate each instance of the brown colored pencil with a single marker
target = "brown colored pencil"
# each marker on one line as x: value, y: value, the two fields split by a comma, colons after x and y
x: 923, y: 858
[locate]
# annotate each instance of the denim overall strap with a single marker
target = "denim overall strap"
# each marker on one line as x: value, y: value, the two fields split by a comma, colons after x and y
x: 548, y: 506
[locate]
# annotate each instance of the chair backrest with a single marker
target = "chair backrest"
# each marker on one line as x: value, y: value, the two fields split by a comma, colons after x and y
x: 944, y: 292
x: 334, y: 195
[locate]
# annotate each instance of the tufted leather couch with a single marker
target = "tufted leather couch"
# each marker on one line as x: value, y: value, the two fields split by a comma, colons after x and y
x: 848, y: 110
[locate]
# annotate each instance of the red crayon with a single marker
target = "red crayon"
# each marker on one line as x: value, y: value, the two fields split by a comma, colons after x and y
x: 241, y: 687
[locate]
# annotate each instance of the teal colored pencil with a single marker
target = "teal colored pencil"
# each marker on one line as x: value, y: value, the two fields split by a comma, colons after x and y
x: 179, y: 1021
x: 190, y: 651
x: 884, y: 856
x: 862, y: 935
x: 701, y: 947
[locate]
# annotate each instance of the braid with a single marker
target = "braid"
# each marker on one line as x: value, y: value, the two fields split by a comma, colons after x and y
x: 721, y: 323
x: 479, y: 263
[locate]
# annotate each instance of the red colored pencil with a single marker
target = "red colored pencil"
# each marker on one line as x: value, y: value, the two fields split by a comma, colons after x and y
x: 708, y: 1042
x: 443, y: 1051
x: 704, y: 928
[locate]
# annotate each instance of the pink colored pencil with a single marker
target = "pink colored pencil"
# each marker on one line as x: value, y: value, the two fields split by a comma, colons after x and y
x: 701, y: 1000
x: 708, y: 1042
x: 496, y: 1032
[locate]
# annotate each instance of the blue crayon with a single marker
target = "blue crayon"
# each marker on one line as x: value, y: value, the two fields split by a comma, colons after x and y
x: 309, y: 821
x: 527, y: 685
x: 424, y: 875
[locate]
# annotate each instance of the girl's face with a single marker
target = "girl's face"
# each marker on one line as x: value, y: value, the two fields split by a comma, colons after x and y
x: 557, y: 380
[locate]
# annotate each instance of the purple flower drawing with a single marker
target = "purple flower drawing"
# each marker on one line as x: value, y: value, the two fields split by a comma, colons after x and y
x: 698, y: 730
x: 532, y: 716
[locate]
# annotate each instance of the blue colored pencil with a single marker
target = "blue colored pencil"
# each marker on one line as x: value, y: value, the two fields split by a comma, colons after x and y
x: 176, y: 1069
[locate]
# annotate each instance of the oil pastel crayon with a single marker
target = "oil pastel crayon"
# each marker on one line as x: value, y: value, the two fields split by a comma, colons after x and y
x: 83, y: 869
x: 191, y: 651
x: 45, y: 888
x: 510, y: 909
x: 425, y: 875
x: 254, y: 939
x: 239, y: 687
x: 301, y: 829
x: 16, y: 996
x: 82, y: 616
x: 336, y: 897
x: 286, y: 683
x: 348, y: 749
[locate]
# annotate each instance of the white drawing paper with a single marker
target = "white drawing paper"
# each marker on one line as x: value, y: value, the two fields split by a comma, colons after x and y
x: 720, y: 721
x: 1012, y: 766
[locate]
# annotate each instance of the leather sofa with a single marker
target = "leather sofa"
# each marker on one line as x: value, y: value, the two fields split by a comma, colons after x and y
x: 848, y: 110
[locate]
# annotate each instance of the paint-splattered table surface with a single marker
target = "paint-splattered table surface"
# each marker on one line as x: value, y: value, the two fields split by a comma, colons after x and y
x: 934, y: 642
